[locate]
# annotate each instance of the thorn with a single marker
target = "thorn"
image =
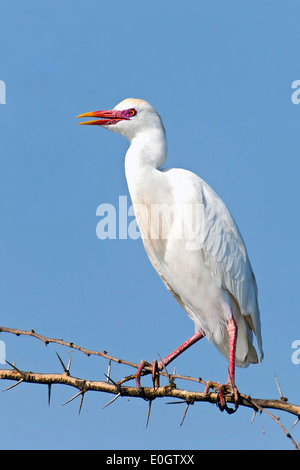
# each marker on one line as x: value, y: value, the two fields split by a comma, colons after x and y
x: 81, y: 401
x: 111, y: 401
x: 62, y: 364
x: 282, y: 397
x: 148, y: 414
x: 278, y: 386
x: 109, y: 379
x: 12, y: 386
x: 114, y: 383
x: 175, y: 402
x: 75, y: 396
x: 254, y: 414
x: 165, y: 369
x: 69, y: 364
x: 184, y: 414
x: 49, y: 394
x: 108, y: 371
x: 15, y: 368
x: 297, y: 421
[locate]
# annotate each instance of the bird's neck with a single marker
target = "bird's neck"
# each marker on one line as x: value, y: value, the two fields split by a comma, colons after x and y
x: 146, y: 154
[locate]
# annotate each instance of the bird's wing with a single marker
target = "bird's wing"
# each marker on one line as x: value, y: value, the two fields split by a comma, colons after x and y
x: 224, y: 251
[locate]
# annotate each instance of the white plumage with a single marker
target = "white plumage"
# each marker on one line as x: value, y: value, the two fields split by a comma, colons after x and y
x: 200, y: 256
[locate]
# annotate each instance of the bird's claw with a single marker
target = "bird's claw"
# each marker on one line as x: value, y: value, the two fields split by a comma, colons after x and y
x: 222, y: 390
x: 139, y: 373
x: 155, y: 368
x: 228, y: 389
x: 155, y: 373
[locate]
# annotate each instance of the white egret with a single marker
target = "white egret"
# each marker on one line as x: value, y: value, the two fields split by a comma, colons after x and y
x: 191, y: 240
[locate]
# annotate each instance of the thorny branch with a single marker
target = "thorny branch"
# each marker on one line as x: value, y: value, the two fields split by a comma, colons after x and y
x: 148, y: 393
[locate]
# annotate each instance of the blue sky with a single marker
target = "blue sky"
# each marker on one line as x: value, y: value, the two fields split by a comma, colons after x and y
x: 220, y: 75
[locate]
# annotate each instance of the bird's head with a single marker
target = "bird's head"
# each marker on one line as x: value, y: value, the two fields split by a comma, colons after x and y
x: 130, y: 118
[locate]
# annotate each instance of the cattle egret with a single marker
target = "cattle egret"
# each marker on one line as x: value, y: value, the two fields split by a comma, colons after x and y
x: 191, y: 240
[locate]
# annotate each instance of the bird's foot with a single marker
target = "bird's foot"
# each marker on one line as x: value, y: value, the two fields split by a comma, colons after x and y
x: 222, y: 390
x: 155, y: 368
x: 228, y: 389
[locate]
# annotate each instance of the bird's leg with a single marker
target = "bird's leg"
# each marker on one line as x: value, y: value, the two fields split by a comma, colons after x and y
x: 139, y: 372
x: 232, y: 333
x: 189, y: 342
x: 155, y: 374
x: 158, y: 366
x: 230, y: 385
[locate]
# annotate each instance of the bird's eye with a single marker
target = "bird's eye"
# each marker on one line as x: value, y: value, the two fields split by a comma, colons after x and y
x: 132, y: 112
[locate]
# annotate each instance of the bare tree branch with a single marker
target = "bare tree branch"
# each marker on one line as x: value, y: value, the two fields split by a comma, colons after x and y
x: 149, y: 393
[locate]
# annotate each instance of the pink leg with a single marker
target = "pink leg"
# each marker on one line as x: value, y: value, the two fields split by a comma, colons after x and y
x: 192, y: 340
x: 232, y: 332
x: 189, y: 342
x: 139, y: 371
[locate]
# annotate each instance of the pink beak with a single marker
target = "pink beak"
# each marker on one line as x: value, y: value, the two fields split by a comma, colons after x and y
x: 108, y: 117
